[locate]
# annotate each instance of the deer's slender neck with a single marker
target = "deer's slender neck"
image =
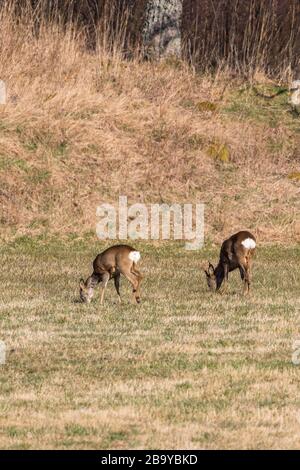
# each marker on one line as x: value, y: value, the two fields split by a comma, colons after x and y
x: 92, y: 281
x: 219, y: 273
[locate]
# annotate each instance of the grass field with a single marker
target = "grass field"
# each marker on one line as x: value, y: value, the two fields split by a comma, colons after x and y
x: 185, y: 369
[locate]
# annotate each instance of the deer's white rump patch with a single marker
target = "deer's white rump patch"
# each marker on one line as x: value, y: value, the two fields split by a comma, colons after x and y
x: 249, y: 243
x: 135, y: 256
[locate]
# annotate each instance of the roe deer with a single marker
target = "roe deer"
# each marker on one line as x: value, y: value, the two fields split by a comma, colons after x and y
x: 236, y: 252
x: 110, y: 264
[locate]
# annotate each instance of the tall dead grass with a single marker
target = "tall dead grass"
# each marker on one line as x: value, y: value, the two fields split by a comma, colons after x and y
x: 81, y: 127
x: 243, y: 36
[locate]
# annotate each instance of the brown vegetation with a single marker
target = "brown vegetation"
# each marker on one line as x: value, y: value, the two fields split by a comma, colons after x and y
x: 243, y: 35
x: 81, y: 127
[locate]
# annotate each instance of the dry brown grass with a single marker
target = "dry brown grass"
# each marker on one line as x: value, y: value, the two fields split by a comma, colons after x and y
x: 185, y: 369
x: 81, y: 127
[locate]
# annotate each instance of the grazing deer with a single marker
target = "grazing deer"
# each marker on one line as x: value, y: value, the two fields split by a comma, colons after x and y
x: 236, y: 252
x: 116, y: 260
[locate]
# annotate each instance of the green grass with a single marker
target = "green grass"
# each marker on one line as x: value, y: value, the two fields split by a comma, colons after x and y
x: 185, y: 369
x: 6, y: 163
x: 273, y: 112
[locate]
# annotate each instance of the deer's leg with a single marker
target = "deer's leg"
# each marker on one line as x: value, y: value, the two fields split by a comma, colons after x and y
x: 105, y: 279
x: 221, y: 276
x: 135, y: 282
x: 139, y: 276
x: 225, y: 282
x: 117, y: 285
x: 248, y: 274
x: 135, y: 271
x: 247, y: 283
x: 245, y: 276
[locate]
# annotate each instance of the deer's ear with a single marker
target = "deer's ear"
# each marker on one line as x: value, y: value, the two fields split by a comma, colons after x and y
x: 204, y: 267
x: 211, y: 269
x: 81, y: 284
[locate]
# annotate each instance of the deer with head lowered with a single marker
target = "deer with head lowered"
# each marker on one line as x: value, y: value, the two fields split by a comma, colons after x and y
x: 236, y: 253
x: 110, y: 264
